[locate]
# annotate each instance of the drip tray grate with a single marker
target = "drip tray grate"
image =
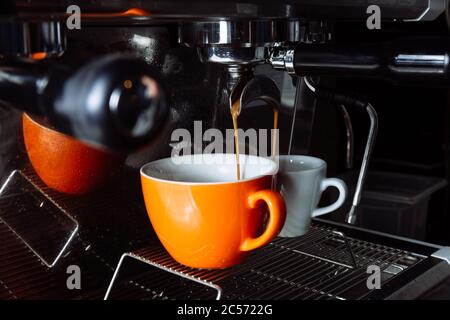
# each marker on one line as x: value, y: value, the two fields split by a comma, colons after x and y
x: 98, y: 242
x: 315, y: 266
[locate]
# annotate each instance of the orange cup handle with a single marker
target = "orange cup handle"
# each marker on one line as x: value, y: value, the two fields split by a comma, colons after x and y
x: 277, y: 212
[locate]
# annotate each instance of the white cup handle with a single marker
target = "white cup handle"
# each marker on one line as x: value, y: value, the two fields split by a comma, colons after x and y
x: 341, y: 186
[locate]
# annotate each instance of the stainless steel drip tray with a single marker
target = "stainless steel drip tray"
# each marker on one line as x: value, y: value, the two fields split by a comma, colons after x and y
x: 315, y: 266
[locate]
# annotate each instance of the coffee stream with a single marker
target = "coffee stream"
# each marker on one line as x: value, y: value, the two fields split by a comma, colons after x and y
x: 275, y: 127
x: 235, y: 114
x: 235, y: 107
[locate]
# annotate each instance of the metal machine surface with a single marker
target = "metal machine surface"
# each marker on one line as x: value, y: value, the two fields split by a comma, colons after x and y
x: 136, y: 70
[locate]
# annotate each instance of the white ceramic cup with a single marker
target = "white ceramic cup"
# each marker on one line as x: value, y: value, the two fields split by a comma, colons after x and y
x: 301, y: 180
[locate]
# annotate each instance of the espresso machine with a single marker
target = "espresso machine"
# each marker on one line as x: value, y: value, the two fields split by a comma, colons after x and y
x: 120, y: 76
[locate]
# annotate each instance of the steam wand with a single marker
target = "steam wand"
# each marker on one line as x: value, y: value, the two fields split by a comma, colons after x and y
x: 346, y: 100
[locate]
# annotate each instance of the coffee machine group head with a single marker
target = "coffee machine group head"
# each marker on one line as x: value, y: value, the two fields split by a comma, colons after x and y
x: 239, y: 45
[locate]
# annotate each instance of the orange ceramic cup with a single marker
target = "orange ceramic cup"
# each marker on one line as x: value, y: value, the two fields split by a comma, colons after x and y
x: 64, y: 163
x: 203, y: 216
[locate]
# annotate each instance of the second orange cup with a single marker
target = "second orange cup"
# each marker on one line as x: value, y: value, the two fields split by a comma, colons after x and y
x: 64, y: 163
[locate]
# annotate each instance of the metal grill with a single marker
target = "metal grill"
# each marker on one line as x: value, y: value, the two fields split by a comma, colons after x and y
x: 103, y: 213
x: 315, y: 266
x: 24, y: 205
x: 24, y: 276
x: 22, y: 273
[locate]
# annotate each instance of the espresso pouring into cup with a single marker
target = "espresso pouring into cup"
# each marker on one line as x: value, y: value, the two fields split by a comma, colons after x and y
x: 243, y: 93
x: 203, y: 216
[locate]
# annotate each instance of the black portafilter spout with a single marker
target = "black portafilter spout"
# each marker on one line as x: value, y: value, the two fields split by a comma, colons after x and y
x: 405, y: 61
x: 113, y: 102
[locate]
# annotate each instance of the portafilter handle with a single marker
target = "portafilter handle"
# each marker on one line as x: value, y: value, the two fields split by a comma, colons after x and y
x: 404, y: 61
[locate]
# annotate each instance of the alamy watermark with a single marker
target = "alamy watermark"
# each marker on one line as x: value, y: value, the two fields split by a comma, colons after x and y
x: 373, y: 282
x: 374, y: 20
x: 74, y: 279
x: 74, y: 19
x: 261, y: 143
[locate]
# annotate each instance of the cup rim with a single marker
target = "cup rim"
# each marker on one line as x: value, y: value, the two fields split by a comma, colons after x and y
x: 42, y: 126
x: 34, y: 120
x: 322, y: 162
x: 271, y: 172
